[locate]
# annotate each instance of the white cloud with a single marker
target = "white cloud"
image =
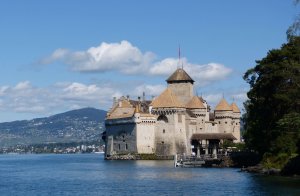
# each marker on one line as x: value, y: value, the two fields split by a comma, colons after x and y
x: 3, y: 90
x: 23, y: 85
x: 58, y: 54
x: 25, y: 98
x: 165, y: 67
x: 122, y: 56
x: 125, y: 58
x: 203, y: 74
x: 150, y: 90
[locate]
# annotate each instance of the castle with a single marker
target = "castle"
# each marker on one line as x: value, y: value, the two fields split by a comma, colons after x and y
x: 175, y: 122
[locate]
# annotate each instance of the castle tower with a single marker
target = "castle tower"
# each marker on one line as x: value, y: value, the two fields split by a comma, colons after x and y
x: 236, y: 128
x: 182, y: 85
x: 170, y: 133
x: 223, y: 116
x: 196, y: 106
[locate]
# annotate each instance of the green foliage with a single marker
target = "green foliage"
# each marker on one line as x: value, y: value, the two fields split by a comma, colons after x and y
x: 275, y: 161
x: 147, y: 156
x: 238, y: 146
x: 289, y: 127
x: 272, y: 111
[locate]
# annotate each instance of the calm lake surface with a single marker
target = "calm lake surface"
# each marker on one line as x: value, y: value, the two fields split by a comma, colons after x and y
x: 89, y: 174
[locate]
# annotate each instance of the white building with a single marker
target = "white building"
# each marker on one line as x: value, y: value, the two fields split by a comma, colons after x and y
x: 175, y: 122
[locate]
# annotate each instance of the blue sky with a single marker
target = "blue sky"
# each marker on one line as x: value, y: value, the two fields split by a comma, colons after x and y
x: 61, y: 55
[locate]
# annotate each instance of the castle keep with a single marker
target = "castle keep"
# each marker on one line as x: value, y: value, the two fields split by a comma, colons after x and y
x: 175, y: 122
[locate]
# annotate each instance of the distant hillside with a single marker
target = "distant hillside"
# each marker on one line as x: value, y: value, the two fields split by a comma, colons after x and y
x: 77, y: 125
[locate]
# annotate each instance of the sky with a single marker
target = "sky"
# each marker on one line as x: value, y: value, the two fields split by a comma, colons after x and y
x: 58, y: 55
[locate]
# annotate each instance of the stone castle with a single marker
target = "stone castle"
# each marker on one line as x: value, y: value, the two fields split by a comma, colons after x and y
x: 175, y: 122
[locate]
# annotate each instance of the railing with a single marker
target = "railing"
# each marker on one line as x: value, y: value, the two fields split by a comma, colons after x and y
x: 200, y: 158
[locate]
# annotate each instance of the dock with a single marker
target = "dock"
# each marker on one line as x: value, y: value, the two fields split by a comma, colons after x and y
x: 198, y: 161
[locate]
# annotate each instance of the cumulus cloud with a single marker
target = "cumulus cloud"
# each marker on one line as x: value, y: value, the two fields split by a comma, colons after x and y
x: 26, y: 98
x: 126, y: 58
x: 122, y: 56
x: 150, y: 90
x: 23, y: 86
x: 203, y: 74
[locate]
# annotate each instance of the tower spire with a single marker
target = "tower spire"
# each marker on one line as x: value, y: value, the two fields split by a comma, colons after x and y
x: 179, y: 57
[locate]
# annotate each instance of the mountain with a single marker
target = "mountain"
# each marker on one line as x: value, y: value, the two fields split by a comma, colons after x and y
x: 85, y: 124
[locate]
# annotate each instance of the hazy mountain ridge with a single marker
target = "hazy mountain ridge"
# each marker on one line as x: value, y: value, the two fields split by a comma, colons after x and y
x: 77, y: 125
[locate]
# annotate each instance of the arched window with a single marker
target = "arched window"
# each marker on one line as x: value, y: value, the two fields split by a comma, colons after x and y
x: 162, y: 118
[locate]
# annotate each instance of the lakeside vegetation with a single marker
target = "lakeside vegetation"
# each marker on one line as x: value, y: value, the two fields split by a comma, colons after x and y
x: 272, y: 118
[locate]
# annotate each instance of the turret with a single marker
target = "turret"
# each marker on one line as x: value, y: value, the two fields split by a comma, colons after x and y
x: 223, y: 116
x: 182, y: 85
x: 236, y: 116
x: 196, y: 106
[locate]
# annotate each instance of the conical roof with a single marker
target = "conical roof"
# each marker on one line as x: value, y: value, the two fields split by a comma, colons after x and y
x: 223, y: 106
x: 180, y: 76
x: 195, y: 103
x: 166, y: 99
x: 235, y: 108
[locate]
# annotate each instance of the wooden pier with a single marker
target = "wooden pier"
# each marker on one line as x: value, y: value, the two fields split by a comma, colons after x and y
x: 198, y: 161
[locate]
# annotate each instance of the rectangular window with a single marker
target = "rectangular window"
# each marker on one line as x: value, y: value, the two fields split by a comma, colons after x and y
x: 119, y: 145
x: 179, y: 118
x: 126, y: 146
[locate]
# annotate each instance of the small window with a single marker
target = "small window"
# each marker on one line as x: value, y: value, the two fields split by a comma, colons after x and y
x: 119, y: 146
x: 236, y: 123
x: 219, y: 122
x: 164, y: 131
x: 179, y: 118
x: 225, y: 122
x: 162, y: 142
x: 126, y: 147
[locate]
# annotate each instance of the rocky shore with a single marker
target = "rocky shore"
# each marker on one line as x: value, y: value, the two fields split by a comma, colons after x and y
x: 292, y: 168
x: 261, y: 170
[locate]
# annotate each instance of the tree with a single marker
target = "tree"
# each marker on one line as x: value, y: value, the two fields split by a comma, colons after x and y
x: 274, y: 95
x: 294, y: 29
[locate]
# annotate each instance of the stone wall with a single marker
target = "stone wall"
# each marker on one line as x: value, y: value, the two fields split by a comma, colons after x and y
x: 183, y: 91
x: 121, y: 139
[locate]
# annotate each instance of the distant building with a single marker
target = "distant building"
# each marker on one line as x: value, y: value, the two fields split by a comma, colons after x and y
x: 175, y: 122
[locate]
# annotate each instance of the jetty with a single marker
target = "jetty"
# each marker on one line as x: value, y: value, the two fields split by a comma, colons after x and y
x: 208, y: 160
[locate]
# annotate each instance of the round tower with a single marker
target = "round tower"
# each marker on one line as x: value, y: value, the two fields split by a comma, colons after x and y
x: 182, y: 85
x: 236, y: 127
x: 196, y: 106
x: 223, y: 116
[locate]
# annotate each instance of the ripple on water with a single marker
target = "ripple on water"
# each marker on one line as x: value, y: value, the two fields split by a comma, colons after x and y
x: 89, y: 174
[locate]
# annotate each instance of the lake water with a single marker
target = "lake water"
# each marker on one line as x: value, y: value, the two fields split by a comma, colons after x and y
x: 89, y: 174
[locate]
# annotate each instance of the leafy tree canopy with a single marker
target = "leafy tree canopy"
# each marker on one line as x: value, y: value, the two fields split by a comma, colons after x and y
x: 272, y: 116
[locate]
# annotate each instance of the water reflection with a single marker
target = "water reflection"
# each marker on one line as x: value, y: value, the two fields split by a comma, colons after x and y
x: 91, y: 175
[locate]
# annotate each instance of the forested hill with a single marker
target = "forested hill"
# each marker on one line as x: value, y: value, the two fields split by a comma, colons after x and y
x: 77, y: 125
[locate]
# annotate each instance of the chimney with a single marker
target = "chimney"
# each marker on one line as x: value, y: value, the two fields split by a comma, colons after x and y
x: 143, y: 96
